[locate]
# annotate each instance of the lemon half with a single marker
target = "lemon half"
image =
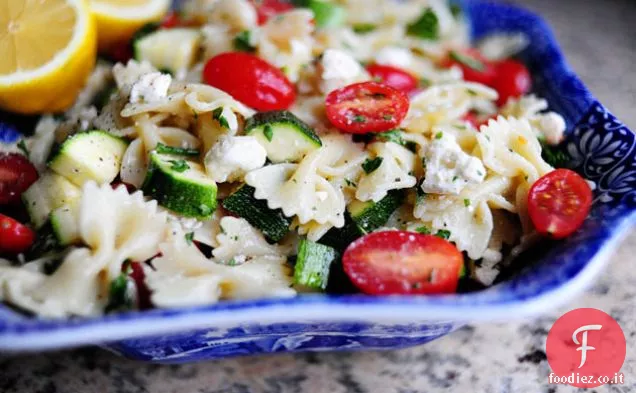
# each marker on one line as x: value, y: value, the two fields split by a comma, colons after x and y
x: 47, y: 50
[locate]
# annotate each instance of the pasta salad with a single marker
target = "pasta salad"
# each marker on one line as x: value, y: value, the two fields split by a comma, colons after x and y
x: 245, y: 149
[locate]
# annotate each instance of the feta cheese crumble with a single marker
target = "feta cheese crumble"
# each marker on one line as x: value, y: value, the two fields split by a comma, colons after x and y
x: 448, y: 168
x: 233, y: 156
x: 150, y: 88
x: 339, y: 69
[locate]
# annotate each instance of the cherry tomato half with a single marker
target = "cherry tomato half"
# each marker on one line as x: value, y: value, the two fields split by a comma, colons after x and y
x: 475, y: 67
x: 400, y: 262
x: 143, y: 293
x: 171, y: 20
x: 16, y: 175
x: 512, y: 80
x: 14, y: 237
x: 394, y: 77
x: 251, y: 80
x: 559, y: 202
x: 366, y: 107
x: 268, y: 8
x: 473, y: 120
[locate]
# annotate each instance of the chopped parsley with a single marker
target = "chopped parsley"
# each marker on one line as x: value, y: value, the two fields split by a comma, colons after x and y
x: 425, y: 82
x: 439, y: 135
x: 242, y: 42
x: 22, y: 146
x: 468, y: 61
x: 456, y: 10
x: 350, y: 183
x: 371, y: 164
x: 359, y: 119
x: 423, y: 230
x: 466, y: 202
x: 176, y: 151
x: 121, y: 295
x: 444, y: 234
x: 472, y: 92
x: 218, y: 116
x: 189, y: 237
x: 179, y: 165
x: 387, y: 117
x: 268, y: 131
x: 553, y: 155
x: 455, y: 178
x: 395, y: 136
x: 364, y: 28
x: 426, y: 27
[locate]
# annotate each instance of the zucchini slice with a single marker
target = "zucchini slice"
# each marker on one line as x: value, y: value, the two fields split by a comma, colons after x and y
x: 314, y: 264
x: 285, y: 137
x: 180, y: 185
x: 50, y: 192
x: 370, y: 215
x: 172, y: 50
x: 64, y: 225
x: 273, y: 223
x: 93, y: 155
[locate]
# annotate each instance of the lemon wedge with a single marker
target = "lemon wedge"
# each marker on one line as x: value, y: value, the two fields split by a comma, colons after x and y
x: 47, y: 50
x: 118, y: 20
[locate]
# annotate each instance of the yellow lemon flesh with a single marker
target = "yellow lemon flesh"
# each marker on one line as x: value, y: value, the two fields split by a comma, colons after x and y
x: 118, y: 20
x: 47, y: 50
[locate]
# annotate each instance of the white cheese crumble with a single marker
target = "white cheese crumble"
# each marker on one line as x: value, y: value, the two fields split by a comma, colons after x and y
x: 150, y: 88
x: 448, y: 168
x: 339, y: 69
x: 395, y: 56
x: 552, y: 126
x: 233, y: 156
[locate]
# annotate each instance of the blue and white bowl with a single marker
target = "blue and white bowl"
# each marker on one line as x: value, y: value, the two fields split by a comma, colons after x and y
x: 603, y: 150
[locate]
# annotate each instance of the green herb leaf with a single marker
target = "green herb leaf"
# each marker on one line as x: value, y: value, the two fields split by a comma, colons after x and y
x: 444, y: 234
x: 179, y: 165
x: 350, y: 183
x: 120, y: 295
x: 456, y: 10
x: 242, y: 42
x: 468, y: 61
x: 466, y: 202
x: 268, y: 131
x: 371, y: 164
x: 554, y: 156
x: 426, y: 27
x: 176, y: 151
x: 423, y: 230
x: 359, y: 119
x: 218, y: 116
x: 22, y: 146
x: 327, y: 14
x: 189, y: 237
x: 439, y: 135
x: 364, y: 28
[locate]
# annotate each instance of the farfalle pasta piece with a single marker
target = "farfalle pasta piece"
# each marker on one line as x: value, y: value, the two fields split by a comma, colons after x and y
x: 395, y: 172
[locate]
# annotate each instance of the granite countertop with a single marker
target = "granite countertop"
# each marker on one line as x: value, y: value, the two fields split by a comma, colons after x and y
x: 599, y: 39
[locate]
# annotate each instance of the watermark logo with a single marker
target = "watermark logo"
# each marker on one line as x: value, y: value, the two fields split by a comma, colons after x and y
x: 586, y: 348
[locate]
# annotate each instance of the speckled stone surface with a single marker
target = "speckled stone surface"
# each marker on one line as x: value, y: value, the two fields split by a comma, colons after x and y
x: 599, y: 38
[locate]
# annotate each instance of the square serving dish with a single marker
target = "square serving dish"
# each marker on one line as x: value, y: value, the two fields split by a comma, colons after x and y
x: 602, y: 149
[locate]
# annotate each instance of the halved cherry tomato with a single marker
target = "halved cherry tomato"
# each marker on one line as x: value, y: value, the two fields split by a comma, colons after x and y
x: 512, y: 80
x: 268, y: 8
x: 143, y: 293
x: 251, y: 80
x: 14, y: 237
x: 16, y: 175
x: 475, y: 67
x: 471, y: 118
x: 171, y: 20
x: 366, y: 107
x: 400, y: 262
x: 559, y: 202
x: 394, y: 77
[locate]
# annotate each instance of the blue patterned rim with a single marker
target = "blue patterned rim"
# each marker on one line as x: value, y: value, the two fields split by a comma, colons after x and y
x: 602, y: 148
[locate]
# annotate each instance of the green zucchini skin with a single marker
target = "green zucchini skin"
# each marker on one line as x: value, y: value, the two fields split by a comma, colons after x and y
x: 370, y: 216
x: 313, y: 264
x: 189, y: 193
x: 284, y: 136
x: 273, y: 223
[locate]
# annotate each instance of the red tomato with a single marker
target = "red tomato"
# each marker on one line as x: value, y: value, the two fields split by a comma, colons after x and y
x: 14, y: 237
x: 120, y: 53
x: 400, y: 262
x: 251, y: 80
x: 559, y: 202
x: 16, y: 175
x: 512, y: 80
x: 171, y: 20
x: 394, y: 77
x: 143, y: 293
x: 475, y: 67
x: 366, y: 107
x: 471, y: 118
x: 268, y: 8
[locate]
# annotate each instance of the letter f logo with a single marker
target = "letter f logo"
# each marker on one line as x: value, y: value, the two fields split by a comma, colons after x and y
x: 583, y: 344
